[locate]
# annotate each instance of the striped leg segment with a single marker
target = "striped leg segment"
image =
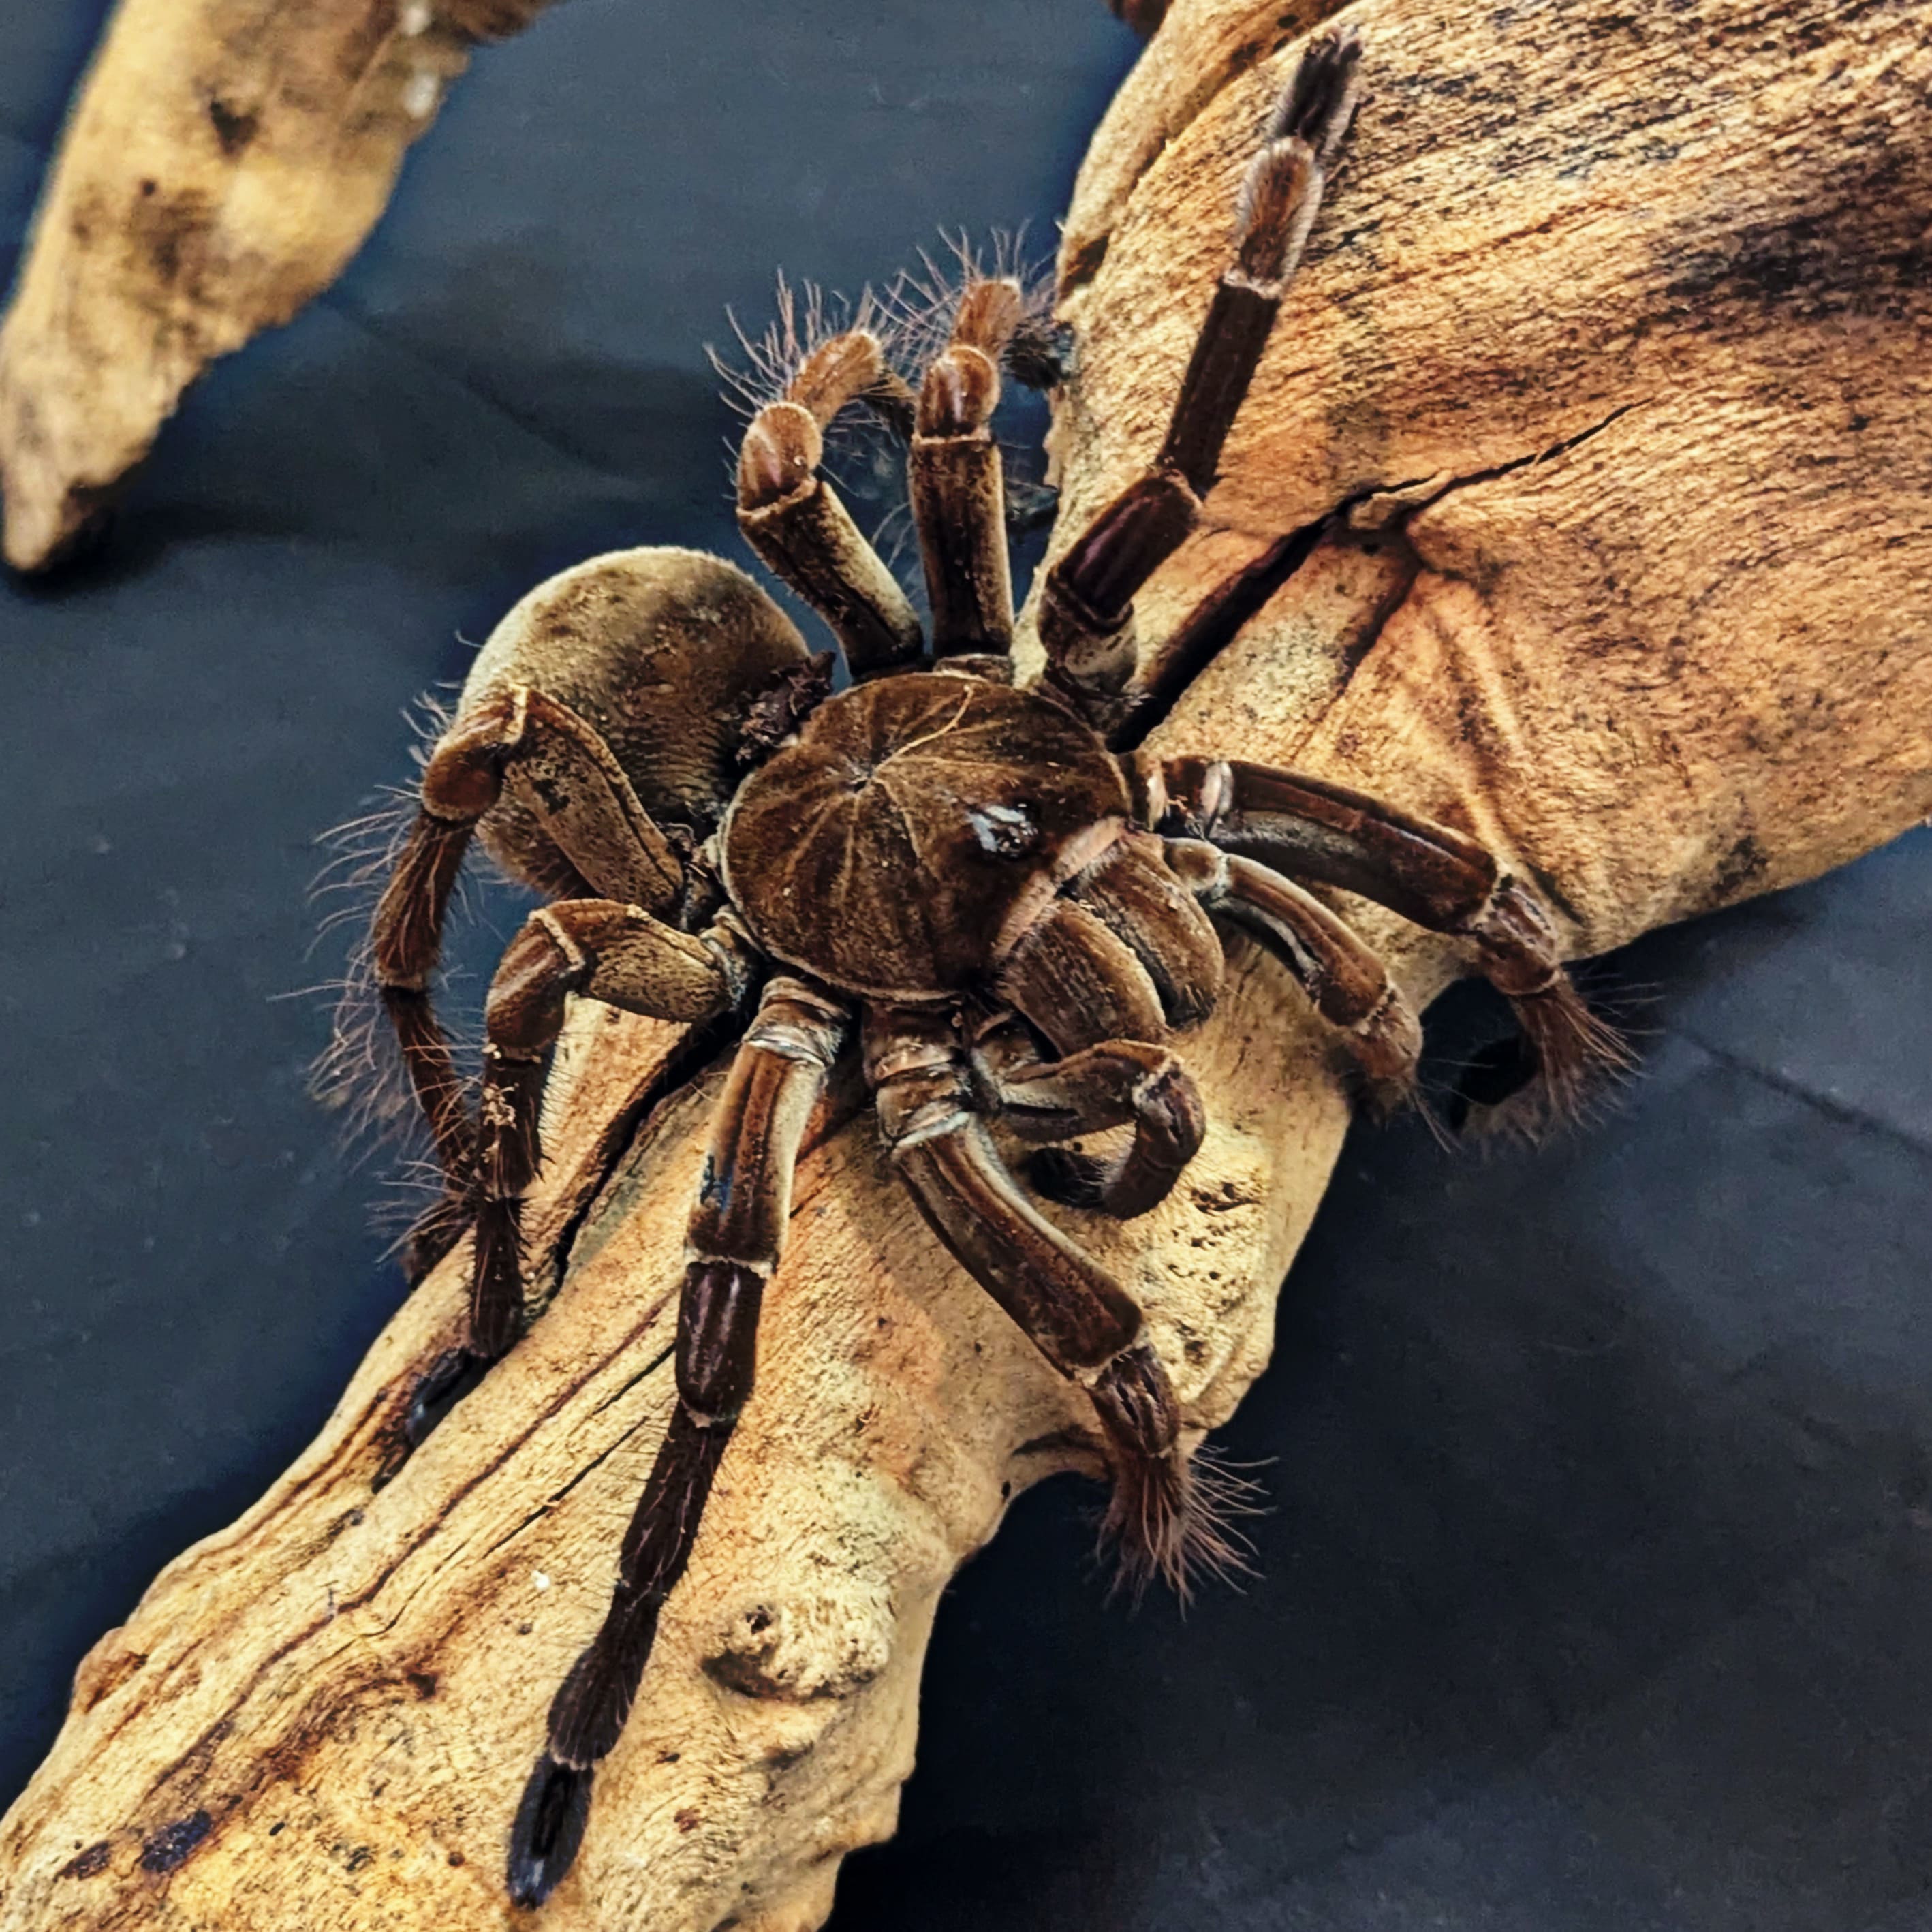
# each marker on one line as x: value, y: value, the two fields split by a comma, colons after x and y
x: 606, y: 951
x: 793, y: 518
x: 1078, y: 1317
x: 736, y: 1231
x: 958, y: 487
x: 1439, y: 878
x: 1086, y: 613
x: 561, y: 769
x: 1346, y: 983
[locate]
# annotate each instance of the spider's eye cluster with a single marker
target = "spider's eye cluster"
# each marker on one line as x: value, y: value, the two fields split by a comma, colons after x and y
x: 1004, y: 831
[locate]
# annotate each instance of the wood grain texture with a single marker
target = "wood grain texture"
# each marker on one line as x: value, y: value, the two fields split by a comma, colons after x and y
x: 1635, y: 300
x: 222, y: 162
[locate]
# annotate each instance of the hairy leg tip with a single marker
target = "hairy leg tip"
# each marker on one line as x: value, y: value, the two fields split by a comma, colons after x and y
x: 548, y: 1830
x: 1172, y: 1518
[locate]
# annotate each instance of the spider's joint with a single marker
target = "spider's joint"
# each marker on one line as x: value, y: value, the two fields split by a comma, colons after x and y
x: 1268, y: 287
x: 575, y: 962
x: 1147, y: 786
x: 932, y: 1120
x: 1089, y: 1375
x: 960, y: 393
x: 1217, y: 796
x: 1520, y: 953
x: 738, y: 959
x: 781, y: 450
x: 515, y: 724
x: 697, y: 1257
x: 798, y: 1025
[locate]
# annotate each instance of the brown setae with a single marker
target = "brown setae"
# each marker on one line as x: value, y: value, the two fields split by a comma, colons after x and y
x: 985, y: 895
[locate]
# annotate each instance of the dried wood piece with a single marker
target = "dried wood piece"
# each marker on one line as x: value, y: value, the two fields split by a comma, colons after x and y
x: 1641, y: 302
x: 223, y: 161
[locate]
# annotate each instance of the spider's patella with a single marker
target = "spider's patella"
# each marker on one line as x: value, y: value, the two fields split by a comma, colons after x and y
x: 971, y: 884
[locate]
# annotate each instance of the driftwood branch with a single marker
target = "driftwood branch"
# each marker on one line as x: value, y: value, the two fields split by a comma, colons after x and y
x: 223, y: 160
x: 1614, y: 335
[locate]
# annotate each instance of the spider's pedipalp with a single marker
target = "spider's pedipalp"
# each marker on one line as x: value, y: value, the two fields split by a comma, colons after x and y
x: 1108, y: 1085
x: 1136, y: 893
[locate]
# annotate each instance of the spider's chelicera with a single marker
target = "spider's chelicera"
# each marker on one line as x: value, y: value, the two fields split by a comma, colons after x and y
x: 961, y: 881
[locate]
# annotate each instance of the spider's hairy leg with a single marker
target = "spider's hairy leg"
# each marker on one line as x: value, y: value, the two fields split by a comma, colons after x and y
x: 591, y: 814
x: 1086, y: 612
x: 1346, y: 983
x: 737, y: 1230
x: 1078, y: 1317
x: 605, y: 950
x: 1114, y: 1083
x: 793, y: 518
x: 1439, y: 878
x: 958, y: 483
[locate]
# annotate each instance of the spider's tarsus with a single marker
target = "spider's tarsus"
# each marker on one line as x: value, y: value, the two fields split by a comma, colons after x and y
x: 1170, y: 1518
x: 1320, y: 101
x: 587, y: 1717
x: 1573, y: 1049
x: 451, y: 1378
x: 548, y: 1830
x: 1040, y: 354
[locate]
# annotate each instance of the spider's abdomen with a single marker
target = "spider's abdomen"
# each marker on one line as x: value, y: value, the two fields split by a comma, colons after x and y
x: 915, y: 822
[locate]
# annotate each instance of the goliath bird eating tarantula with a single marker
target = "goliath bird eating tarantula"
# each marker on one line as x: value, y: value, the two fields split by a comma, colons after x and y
x: 961, y: 879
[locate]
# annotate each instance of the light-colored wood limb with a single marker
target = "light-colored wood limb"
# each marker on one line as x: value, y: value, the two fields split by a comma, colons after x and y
x: 1642, y: 298
x: 222, y: 162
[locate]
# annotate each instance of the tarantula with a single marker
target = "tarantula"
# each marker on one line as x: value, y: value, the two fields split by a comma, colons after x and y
x: 1007, y: 915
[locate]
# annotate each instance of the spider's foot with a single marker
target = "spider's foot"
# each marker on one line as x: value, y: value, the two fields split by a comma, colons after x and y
x: 1172, y: 1517
x: 1386, y: 1049
x: 587, y: 1717
x: 1169, y: 1515
x: 1320, y: 103
x: 450, y: 1379
x: 1573, y: 1050
x: 548, y: 1830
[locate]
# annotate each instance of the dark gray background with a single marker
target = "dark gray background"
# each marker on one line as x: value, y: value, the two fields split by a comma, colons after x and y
x: 1596, y: 1592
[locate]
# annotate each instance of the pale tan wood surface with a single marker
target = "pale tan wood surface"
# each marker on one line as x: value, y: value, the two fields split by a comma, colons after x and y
x: 1641, y: 297
x: 223, y: 160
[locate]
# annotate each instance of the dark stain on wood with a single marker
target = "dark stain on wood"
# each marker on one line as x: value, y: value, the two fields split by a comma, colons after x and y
x: 90, y: 1863
x: 233, y: 128
x: 171, y: 1847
